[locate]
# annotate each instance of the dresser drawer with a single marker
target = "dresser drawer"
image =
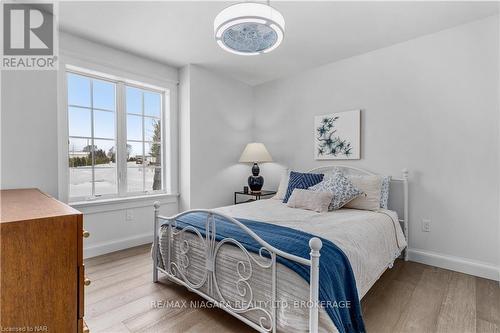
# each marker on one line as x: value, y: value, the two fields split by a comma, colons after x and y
x: 81, y: 291
x: 39, y: 280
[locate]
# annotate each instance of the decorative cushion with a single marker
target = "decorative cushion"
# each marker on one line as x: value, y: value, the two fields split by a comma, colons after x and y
x: 371, y: 187
x: 384, y: 192
x: 342, y: 188
x: 301, y: 181
x: 280, y: 194
x: 310, y: 200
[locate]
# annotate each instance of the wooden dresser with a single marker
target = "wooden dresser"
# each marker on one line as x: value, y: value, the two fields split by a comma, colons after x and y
x: 41, y: 264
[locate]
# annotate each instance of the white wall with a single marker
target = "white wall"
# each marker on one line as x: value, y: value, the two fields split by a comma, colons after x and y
x: 123, y: 224
x: 184, y: 138
x: 115, y: 61
x: 430, y: 105
x: 29, y: 130
x: 216, y: 124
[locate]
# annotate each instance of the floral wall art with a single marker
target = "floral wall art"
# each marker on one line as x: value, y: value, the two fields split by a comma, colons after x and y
x: 337, y: 136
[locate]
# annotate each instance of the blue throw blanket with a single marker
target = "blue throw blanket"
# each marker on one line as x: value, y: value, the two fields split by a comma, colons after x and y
x: 337, y: 289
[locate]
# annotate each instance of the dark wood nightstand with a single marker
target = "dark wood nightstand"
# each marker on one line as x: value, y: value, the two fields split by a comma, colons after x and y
x: 255, y: 195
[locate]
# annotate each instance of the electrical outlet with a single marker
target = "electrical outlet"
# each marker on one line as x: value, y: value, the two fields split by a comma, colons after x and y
x: 426, y: 225
x: 129, y: 215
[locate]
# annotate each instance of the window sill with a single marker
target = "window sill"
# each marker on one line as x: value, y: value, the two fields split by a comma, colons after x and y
x: 112, y: 204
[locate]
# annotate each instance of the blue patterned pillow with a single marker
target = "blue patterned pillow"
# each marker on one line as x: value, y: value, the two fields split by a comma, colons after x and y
x: 342, y: 188
x: 384, y: 192
x: 302, y: 181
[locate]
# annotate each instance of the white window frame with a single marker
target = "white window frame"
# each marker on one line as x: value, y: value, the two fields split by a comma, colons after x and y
x: 164, y: 96
x: 168, y: 144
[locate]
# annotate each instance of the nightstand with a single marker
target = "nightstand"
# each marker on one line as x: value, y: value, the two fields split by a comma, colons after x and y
x: 254, y: 195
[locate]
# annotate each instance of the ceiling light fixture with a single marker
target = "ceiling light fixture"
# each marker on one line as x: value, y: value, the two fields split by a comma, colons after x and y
x: 249, y: 28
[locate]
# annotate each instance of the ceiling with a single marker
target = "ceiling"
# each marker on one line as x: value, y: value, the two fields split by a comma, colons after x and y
x: 179, y: 33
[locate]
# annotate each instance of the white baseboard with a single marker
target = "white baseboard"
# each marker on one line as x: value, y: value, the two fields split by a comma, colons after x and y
x: 116, y: 245
x: 463, y: 265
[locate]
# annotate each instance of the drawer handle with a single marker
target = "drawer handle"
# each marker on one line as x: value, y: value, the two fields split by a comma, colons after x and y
x: 87, y: 282
x: 86, y: 234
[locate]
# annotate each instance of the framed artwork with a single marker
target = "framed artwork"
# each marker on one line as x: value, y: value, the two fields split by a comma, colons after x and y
x: 337, y: 136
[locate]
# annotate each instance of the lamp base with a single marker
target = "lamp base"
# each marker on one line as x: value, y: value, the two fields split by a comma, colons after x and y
x: 255, y: 183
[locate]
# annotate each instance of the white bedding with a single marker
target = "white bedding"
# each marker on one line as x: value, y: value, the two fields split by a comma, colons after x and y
x: 371, y: 241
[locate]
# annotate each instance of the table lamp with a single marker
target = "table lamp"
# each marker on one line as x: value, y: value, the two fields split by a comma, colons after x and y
x: 255, y: 152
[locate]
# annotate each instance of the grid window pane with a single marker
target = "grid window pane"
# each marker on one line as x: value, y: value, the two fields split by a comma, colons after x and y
x: 134, y: 100
x: 104, y: 152
x: 79, y: 122
x: 105, y: 179
x: 79, y: 147
x: 153, y: 153
x: 104, y: 124
x: 134, y: 127
x: 134, y: 151
x: 153, y: 178
x: 92, y: 162
x: 80, y: 167
x: 135, y: 167
x: 152, y: 104
x: 78, y: 90
x: 152, y: 129
x: 144, y: 126
x: 135, y: 179
x: 80, y: 181
x: 103, y: 95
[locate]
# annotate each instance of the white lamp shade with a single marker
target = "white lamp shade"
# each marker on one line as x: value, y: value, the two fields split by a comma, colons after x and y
x: 255, y: 152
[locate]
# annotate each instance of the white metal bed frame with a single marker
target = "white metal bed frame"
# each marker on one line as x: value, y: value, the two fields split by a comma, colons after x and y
x: 267, y: 260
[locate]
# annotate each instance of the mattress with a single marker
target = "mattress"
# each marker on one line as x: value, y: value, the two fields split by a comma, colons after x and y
x: 371, y: 241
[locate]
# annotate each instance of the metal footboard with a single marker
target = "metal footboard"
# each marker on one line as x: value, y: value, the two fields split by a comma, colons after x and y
x: 208, y: 286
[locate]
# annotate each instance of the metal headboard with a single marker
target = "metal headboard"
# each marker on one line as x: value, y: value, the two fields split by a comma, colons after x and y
x: 398, y: 194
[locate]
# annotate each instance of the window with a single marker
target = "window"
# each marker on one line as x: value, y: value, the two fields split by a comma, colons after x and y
x: 92, y: 136
x: 115, y: 148
x: 143, y: 140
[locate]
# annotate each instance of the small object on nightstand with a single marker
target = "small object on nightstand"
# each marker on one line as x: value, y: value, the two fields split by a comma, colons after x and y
x: 256, y: 195
x: 245, y: 189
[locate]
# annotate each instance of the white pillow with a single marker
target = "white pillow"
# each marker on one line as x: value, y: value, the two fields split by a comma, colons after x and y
x: 310, y: 200
x: 371, y: 187
x: 285, y: 176
x: 341, y: 187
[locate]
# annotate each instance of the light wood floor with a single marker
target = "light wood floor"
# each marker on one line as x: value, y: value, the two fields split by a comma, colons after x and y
x: 408, y: 298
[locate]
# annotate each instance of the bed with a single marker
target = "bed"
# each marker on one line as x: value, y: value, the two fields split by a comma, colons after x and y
x: 255, y: 286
